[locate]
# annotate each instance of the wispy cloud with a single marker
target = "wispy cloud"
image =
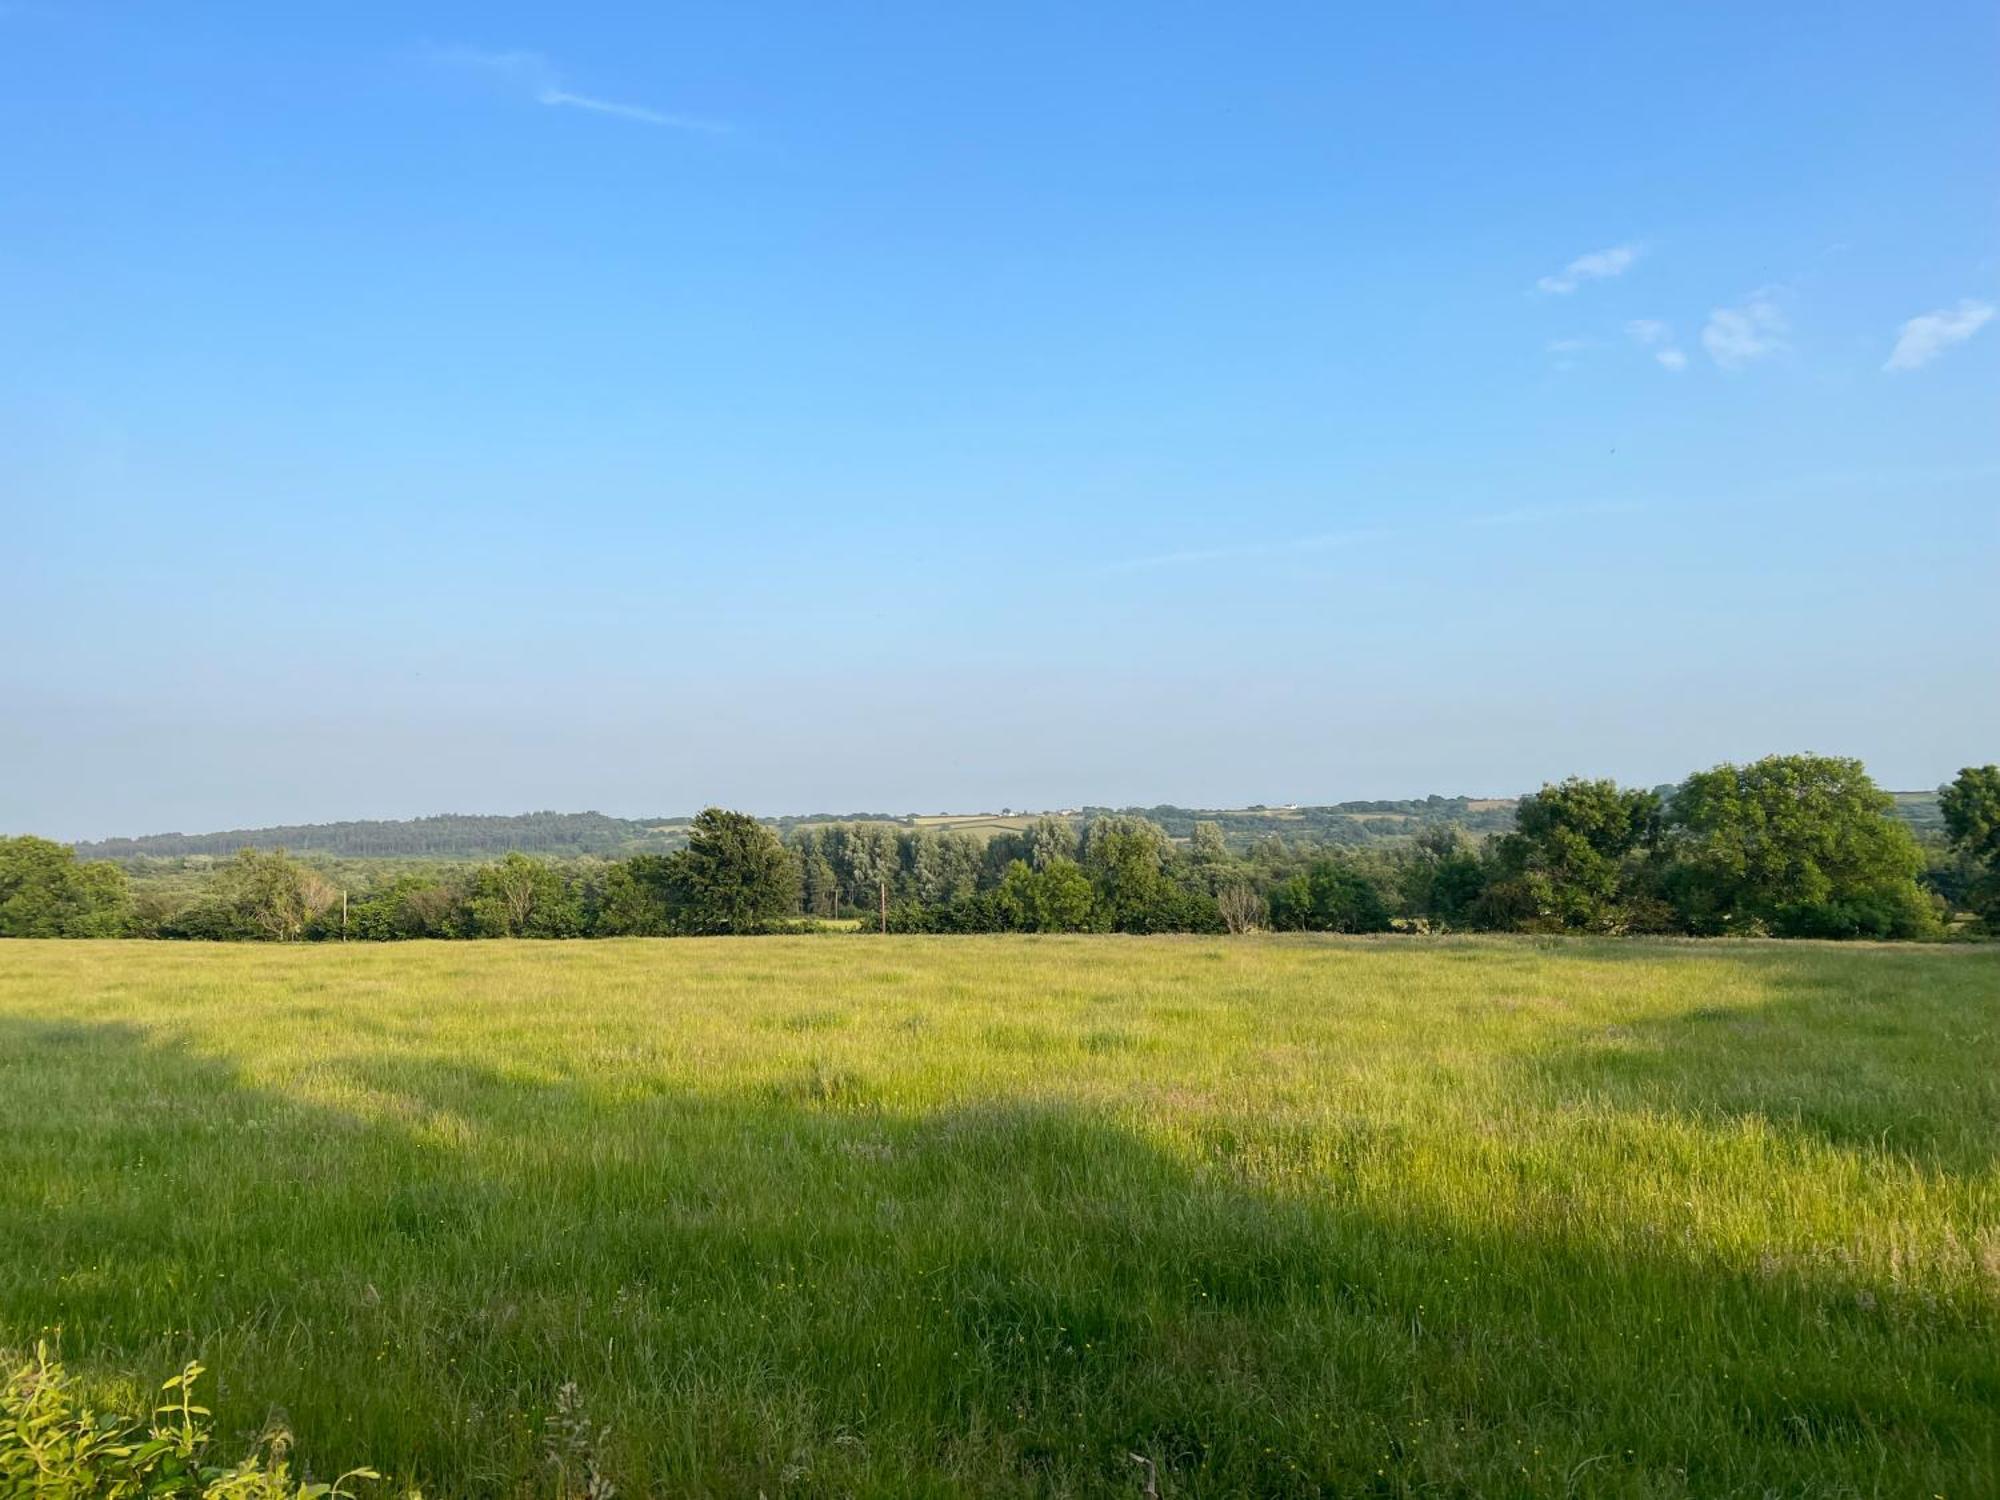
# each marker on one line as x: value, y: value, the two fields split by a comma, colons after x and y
x: 1651, y: 334
x: 1750, y: 331
x: 1924, y: 338
x: 1598, y: 265
x: 530, y: 75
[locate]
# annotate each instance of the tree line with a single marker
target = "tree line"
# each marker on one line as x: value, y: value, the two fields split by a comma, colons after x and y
x: 1788, y: 846
x: 559, y: 835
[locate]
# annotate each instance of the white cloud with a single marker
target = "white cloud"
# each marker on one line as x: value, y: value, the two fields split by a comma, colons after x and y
x: 1924, y: 338
x: 1737, y: 335
x: 1570, y: 346
x: 1651, y: 333
x: 533, y: 76
x: 1599, y: 265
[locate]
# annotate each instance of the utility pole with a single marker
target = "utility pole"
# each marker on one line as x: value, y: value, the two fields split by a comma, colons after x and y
x: 343, y: 915
x: 882, y: 885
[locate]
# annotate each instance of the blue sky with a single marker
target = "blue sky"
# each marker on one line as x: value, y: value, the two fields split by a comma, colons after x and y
x: 408, y: 408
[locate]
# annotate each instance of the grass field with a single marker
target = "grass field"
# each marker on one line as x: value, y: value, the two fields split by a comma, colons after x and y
x: 985, y: 1216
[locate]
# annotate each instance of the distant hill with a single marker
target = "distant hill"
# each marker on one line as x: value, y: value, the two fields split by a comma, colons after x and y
x: 572, y: 835
x: 445, y: 836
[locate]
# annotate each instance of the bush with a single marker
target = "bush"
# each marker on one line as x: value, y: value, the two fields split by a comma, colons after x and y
x: 1885, y: 914
x: 54, y: 1446
x: 1329, y: 897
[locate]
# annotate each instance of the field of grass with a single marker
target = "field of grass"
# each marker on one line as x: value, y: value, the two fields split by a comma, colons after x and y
x: 981, y: 825
x: 985, y: 1216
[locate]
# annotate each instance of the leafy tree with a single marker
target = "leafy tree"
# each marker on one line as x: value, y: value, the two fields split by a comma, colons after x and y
x: 864, y: 859
x: 410, y: 906
x: 45, y: 891
x: 1797, y: 845
x: 1048, y: 840
x: 640, y: 896
x: 264, y: 894
x: 522, y: 897
x: 937, y: 869
x: 734, y: 876
x: 1330, y: 896
x: 1126, y: 859
x: 1445, y: 878
x: 1971, y: 809
x: 1577, y: 858
x: 1206, y: 844
x: 1057, y: 898
x: 819, y: 887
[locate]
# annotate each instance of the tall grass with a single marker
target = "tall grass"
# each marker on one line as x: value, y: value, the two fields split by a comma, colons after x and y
x: 990, y: 1216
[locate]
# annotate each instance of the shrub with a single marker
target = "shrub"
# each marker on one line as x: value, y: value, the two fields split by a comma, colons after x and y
x: 54, y: 1446
x: 1331, y: 896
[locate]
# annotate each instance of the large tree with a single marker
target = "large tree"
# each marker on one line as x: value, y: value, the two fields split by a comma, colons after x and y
x: 523, y: 897
x: 734, y: 876
x: 1577, y: 858
x: 1971, y: 808
x: 1125, y: 859
x: 1445, y: 878
x: 262, y: 893
x: 640, y: 895
x: 1048, y: 840
x: 1796, y: 845
x: 1056, y: 898
x: 45, y: 891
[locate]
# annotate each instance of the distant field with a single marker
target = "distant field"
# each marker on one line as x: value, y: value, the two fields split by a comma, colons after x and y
x: 984, y: 1216
x: 975, y: 823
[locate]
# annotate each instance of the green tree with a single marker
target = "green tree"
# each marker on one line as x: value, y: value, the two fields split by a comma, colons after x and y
x: 45, y: 891
x: 1971, y: 808
x: 734, y: 876
x: 522, y: 897
x: 1206, y: 843
x: 1578, y: 858
x: 1444, y: 879
x: 264, y: 894
x: 1330, y: 895
x: 641, y: 895
x: 938, y: 869
x: 819, y: 887
x: 1056, y: 898
x: 410, y: 906
x: 1796, y: 845
x: 1126, y: 859
x: 1048, y: 840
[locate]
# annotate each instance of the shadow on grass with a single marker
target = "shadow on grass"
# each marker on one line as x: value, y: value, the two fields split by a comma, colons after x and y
x: 1895, y: 1057
x: 799, y: 1291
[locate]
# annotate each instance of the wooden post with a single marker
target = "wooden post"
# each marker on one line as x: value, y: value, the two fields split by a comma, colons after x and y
x: 882, y: 884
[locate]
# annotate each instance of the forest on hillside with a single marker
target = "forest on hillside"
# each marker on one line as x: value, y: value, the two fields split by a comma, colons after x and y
x: 461, y: 836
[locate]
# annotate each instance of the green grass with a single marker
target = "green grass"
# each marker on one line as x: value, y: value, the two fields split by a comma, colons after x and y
x: 985, y: 1216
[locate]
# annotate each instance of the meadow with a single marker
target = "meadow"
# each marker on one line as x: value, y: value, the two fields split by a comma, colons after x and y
x: 988, y: 1216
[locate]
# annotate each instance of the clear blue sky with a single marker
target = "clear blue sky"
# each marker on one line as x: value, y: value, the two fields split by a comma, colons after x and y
x: 481, y: 407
